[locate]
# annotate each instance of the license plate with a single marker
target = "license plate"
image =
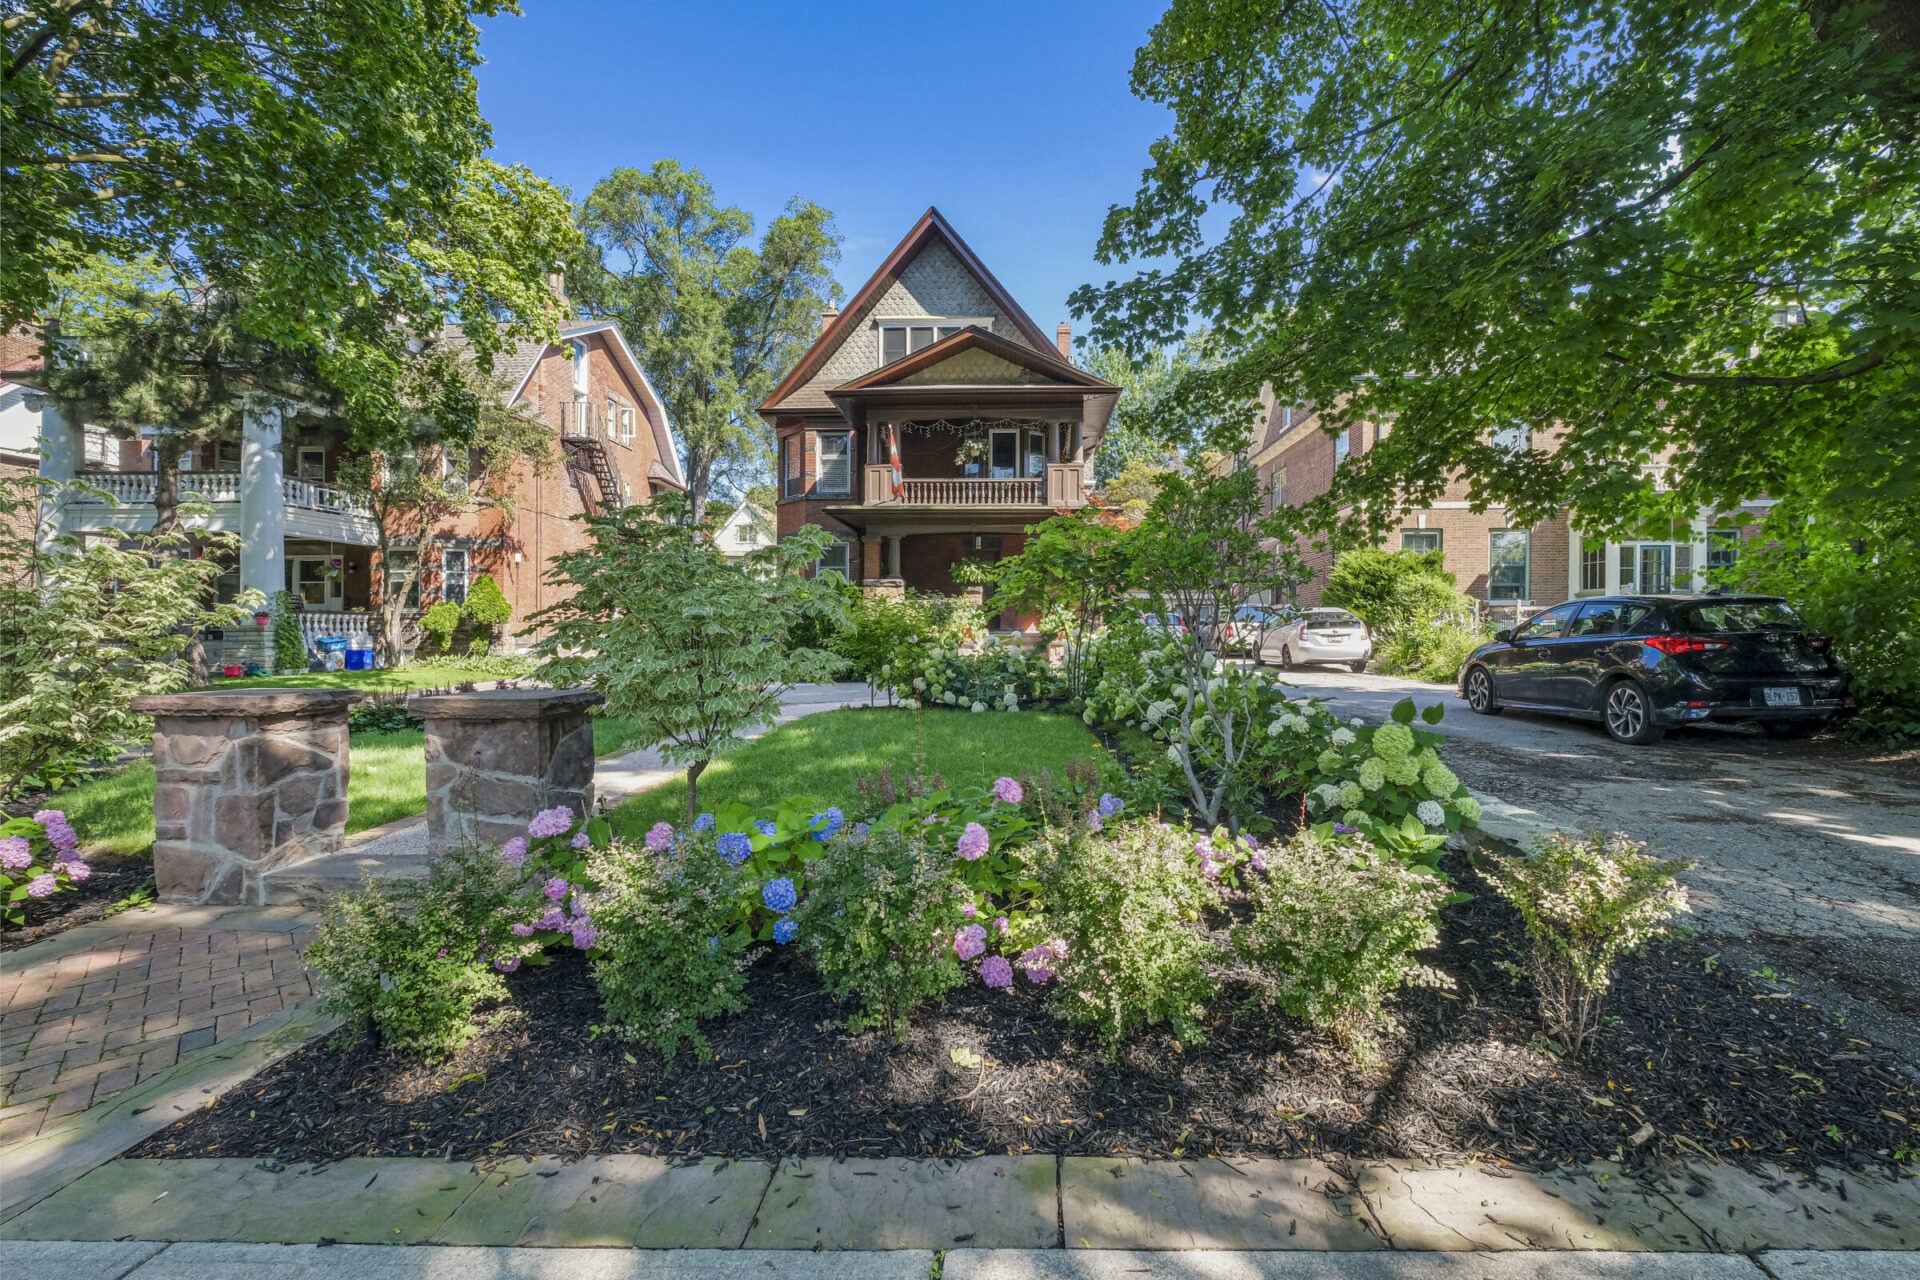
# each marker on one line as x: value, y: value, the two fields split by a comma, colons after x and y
x: 1782, y: 697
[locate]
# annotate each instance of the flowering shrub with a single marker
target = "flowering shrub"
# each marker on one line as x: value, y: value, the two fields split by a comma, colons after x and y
x: 1386, y: 780
x: 39, y: 856
x: 1586, y: 902
x: 415, y: 958
x: 669, y: 951
x: 1334, y: 930
x: 882, y: 920
x: 1124, y: 903
x: 1002, y: 676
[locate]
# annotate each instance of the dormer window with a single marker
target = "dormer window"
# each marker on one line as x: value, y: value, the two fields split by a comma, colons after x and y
x: 898, y: 338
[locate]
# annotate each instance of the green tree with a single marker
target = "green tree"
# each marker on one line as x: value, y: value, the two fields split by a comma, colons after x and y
x: 1071, y: 569
x: 487, y: 607
x: 84, y: 630
x: 715, y: 319
x: 1648, y: 227
x: 695, y: 649
x: 1152, y: 425
x: 281, y: 151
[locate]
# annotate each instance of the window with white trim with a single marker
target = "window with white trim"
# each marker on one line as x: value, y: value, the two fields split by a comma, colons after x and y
x: 626, y: 424
x: 898, y: 339
x: 1509, y: 555
x: 1723, y: 549
x: 1517, y: 438
x: 833, y: 463
x: 1419, y: 539
x: 1593, y: 568
x: 832, y: 560
x: 453, y: 574
x: 102, y: 449
x: 310, y: 463
x: 1342, y: 446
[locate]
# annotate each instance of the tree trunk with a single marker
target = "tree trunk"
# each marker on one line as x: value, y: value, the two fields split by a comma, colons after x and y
x: 166, y: 524
x: 694, y: 771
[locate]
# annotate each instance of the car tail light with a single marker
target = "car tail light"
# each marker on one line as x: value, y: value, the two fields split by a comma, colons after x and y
x: 1685, y: 644
x: 1820, y: 644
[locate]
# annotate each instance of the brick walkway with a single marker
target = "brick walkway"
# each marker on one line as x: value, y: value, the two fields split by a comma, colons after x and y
x: 99, y: 1008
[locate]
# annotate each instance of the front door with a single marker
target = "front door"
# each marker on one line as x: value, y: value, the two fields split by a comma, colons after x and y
x: 314, y: 581
x: 1005, y: 461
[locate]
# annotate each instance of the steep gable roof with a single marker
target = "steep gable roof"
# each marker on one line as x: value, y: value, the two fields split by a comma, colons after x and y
x: 931, y: 229
x: 946, y: 363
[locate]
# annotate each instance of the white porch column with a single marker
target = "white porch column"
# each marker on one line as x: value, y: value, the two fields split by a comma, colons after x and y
x: 263, y: 501
x: 60, y: 450
x: 893, y: 556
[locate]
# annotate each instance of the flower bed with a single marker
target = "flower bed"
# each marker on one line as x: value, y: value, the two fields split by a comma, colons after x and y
x: 1707, y: 1059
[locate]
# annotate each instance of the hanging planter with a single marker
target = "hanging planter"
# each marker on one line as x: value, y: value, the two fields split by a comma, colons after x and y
x: 261, y: 618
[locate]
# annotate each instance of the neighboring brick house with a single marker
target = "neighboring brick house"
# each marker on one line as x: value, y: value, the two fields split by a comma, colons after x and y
x: 1493, y: 559
x: 932, y: 421
x: 275, y: 486
x: 19, y: 422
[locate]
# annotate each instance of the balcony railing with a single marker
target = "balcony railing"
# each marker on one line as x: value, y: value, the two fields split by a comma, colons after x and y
x: 136, y: 489
x: 1061, y: 487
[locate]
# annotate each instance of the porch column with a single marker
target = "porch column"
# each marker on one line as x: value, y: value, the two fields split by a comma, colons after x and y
x: 60, y: 448
x: 263, y: 501
x: 893, y: 556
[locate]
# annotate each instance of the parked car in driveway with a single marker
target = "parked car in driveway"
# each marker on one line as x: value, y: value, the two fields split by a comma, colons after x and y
x: 1242, y: 632
x: 1642, y: 664
x: 1318, y: 636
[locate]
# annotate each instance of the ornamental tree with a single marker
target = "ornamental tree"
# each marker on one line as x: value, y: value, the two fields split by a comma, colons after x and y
x: 1650, y: 228
x: 698, y: 650
x: 1069, y: 569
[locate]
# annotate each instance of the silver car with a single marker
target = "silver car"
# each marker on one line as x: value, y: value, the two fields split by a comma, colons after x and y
x: 1319, y: 635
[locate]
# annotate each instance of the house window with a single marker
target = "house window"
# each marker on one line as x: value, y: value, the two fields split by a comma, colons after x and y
x: 832, y: 560
x: 1646, y: 568
x: 1593, y: 568
x: 310, y: 463
x: 833, y: 451
x: 1723, y: 549
x: 1508, y: 553
x: 103, y: 451
x: 626, y: 424
x: 1517, y: 438
x: 1342, y: 446
x: 1279, y: 487
x: 400, y: 567
x: 1036, y: 454
x: 1419, y: 539
x: 226, y: 455
x: 1004, y: 458
x: 579, y: 370
x: 314, y: 581
x: 897, y: 340
x: 791, y: 482
x: 453, y: 574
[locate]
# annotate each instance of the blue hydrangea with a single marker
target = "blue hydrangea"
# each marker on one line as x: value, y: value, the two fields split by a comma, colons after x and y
x: 785, y: 931
x: 1110, y: 804
x: 703, y: 823
x: 834, y: 820
x: 779, y: 895
x: 735, y: 847
x: 765, y: 828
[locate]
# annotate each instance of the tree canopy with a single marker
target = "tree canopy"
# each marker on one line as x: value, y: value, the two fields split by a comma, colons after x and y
x: 1648, y: 226
x: 285, y: 151
x: 714, y: 319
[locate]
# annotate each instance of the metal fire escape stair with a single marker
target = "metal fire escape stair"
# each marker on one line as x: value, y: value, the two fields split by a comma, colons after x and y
x: 589, y: 455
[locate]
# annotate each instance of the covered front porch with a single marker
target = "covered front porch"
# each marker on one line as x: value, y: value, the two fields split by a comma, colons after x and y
x: 975, y: 461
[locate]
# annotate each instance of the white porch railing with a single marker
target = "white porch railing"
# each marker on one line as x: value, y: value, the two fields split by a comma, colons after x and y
x: 136, y: 488
x: 320, y: 497
x: 328, y: 622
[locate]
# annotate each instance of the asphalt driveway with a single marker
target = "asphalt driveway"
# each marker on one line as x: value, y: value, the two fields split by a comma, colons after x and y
x: 1805, y: 851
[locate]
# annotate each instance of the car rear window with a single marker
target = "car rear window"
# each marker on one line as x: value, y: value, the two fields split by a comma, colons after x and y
x: 1332, y: 618
x: 1739, y: 615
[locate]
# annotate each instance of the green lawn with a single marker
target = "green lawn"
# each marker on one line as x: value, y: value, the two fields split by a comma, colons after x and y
x: 614, y: 736
x: 396, y: 680
x: 114, y: 812
x: 823, y: 754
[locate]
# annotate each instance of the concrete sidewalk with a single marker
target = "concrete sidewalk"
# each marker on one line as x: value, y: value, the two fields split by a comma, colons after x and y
x: 153, y: 1260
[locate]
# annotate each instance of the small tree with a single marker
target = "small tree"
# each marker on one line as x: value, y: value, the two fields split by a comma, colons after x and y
x: 82, y: 632
x: 289, y: 645
x: 487, y: 607
x: 1071, y: 568
x: 696, y: 649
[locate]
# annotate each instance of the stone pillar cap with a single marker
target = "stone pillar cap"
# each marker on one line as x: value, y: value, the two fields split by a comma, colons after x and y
x: 244, y: 702
x: 502, y: 704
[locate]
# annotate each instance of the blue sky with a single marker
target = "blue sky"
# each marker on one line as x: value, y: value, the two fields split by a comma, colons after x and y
x: 1015, y: 119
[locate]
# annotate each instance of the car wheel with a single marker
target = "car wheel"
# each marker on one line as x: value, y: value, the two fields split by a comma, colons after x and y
x: 1286, y: 658
x: 1786, y: 730
x: 1358, y: 665
x: 1480, y: 693
x: 1629, y: 715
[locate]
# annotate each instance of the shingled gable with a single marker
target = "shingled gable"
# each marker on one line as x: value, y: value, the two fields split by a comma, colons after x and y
x: 931, y: 229
x: 927, y: 366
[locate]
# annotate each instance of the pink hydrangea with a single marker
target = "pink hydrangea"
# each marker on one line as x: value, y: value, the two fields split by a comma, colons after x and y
x: 580, y: 840
x: 1001, y: 924
x: 76, y: 870
x: 15, y: 853
x: 968, y: 910
x: 523, y: 930
x: 996, y: 972
x: 970, y: 942
x: 515, y: 850
x: 42, y: 885
x: 1038, y: 961
x: 1008, y: 791
x: 507, y: 966
x: 556, y: 821
x: 973, y: 842
x: 44, y: 816
x: 660, y: 837
x: 1093, y: 821
x: 555, y: 889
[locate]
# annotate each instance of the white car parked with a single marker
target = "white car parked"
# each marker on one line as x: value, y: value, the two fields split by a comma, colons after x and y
x: 1319, y: 635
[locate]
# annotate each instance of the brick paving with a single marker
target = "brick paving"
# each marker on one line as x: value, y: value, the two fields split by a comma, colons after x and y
x: 102, y: 1007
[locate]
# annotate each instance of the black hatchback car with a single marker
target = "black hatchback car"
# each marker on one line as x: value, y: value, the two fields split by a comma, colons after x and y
x: 1642, y: 664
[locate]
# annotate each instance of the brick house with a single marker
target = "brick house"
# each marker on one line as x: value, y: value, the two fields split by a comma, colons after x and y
x: 275, y: 486
x: 932, y: 421
x: 1503, y: 565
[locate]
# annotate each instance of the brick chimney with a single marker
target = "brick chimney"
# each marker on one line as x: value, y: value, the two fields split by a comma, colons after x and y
x: 828, y: 316
x: 1063, y: 339
x: 557, y: 286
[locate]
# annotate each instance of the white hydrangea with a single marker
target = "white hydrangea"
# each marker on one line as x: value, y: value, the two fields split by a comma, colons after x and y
x: 1350, y: 794
x: 1373, y: 775
x: 1356, y: 722
x: 979, y: 706
x: 1273, y: 730
x: 1431, y: 813
x: 1173, y: 754
x: 1468, y: 808
x: 1295, y: 724
x: 1343, y: 737
x: 920, y: 684
x: 1087, y: 715
x: 1326, y: 793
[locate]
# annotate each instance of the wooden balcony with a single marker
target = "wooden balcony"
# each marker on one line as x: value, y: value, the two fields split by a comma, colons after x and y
x: 1061, y: 487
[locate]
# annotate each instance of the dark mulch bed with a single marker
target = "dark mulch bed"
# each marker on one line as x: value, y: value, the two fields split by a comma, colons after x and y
x: 1700, y: 1061
x: 95, y: 898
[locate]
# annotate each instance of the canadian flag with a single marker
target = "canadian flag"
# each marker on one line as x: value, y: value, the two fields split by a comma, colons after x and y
x: 893, y: 460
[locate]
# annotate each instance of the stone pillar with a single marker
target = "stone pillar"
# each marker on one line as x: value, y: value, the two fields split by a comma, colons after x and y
x: 893, y: 556
x: 496, y: 758
x: 60, y: 449
x: 246, y: 780
x: 263, y: 499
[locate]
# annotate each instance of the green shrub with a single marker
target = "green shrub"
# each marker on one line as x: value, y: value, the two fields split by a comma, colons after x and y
x: 1367, y: 580
x: 1586, y: 903
x: 1387, y: 780
x: 491, y: 666
x: 879, y: 631
x: 667, y: 955
x: 1127, y: 903
x: 412, y: 957
x: 1002, y: 676
x: 879, y: 918
x: 440, y: 621
x: 382, y: 715
x: 1333, y: 934
x: 486, y: 604
x: 1434, y: 653
x: 289, y: 644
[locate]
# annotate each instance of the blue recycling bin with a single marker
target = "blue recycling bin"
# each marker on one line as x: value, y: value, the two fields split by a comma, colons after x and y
x: 359, y: 659
x: 330, y: 644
